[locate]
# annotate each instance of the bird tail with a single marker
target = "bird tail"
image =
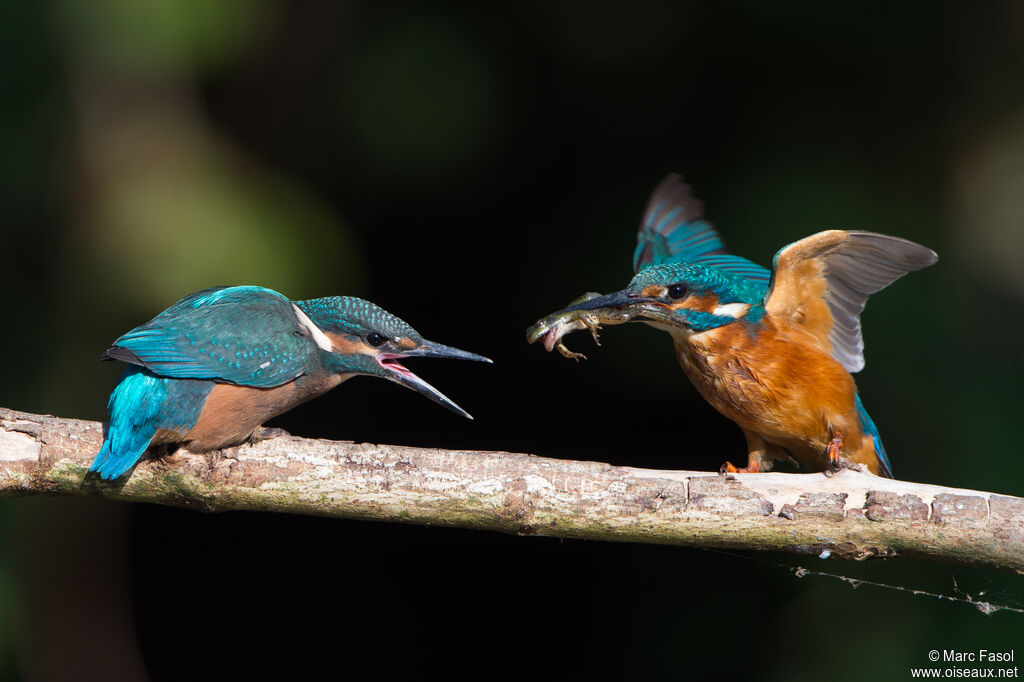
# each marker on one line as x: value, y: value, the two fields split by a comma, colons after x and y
x: 119, y: 454
x: 133, y: 407
x: 868, y: 426
x: 109, y: 465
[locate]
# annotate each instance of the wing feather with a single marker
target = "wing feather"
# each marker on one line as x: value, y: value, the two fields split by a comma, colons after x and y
x: 673, y: 226
x: 243, y: 335
x: 822, y: 282
x: 673, y: 229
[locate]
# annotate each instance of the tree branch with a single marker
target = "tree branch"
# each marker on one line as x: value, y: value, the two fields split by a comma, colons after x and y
x: 850, y: 515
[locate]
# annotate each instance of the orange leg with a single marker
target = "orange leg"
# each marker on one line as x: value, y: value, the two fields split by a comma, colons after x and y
x: 729, y: 468
x: 835, y: 446
x: 757, y: 457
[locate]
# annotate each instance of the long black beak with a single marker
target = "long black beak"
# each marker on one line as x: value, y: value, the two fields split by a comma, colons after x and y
x: 427, y: 349
x: 620, y: 299
x: 593, y: 309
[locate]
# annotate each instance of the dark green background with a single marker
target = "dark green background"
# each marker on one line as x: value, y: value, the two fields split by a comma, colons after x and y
x: 470, y: 168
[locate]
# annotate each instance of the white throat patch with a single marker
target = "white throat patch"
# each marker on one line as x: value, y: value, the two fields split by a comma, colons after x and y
x: 732, y: 309
x: 317, y: 333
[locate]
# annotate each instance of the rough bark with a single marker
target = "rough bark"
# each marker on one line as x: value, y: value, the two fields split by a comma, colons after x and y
x: 850, y: 515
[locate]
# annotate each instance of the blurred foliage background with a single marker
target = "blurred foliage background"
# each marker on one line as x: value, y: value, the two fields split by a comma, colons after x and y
x: 471, y: 168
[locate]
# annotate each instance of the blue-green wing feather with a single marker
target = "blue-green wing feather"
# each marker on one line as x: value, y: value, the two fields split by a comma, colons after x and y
x: 673, y: 230
x: 673, y: 227
x: 738, y: 267
x: 242, y: 335
x: 140, y: 405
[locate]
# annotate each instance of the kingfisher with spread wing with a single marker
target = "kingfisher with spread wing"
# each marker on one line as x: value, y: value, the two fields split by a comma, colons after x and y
x: 771, y: 350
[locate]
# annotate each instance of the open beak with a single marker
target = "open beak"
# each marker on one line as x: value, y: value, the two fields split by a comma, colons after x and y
x: 400, y: 374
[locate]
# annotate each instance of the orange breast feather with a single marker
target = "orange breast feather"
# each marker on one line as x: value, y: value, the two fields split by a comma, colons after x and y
x: 778, y: 383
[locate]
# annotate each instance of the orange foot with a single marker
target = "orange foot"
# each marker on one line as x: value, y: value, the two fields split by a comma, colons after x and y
x: 835, y: 446
x: 728, y: 468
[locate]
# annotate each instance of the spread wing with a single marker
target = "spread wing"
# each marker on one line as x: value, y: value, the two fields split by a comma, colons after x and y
x: 242, y: 335
x: 822, y: 282
x: 673, y: 229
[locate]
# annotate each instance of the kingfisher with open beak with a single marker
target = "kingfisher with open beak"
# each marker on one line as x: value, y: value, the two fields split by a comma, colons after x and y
x: 208, y: 371
x: 771, y: 350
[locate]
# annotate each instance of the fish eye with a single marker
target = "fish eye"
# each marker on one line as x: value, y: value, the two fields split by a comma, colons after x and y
x: 375, y: 339
x: 677, y: 291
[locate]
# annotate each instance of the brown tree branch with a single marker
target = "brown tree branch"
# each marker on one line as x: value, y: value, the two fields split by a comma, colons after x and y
x: 850, y: 515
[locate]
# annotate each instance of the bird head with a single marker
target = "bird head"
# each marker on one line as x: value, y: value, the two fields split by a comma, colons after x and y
x: 681, y: 298
x: 362, y: 338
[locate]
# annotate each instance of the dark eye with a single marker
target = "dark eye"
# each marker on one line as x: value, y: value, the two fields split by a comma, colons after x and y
x: 375, y: 339
x: 677, y: 291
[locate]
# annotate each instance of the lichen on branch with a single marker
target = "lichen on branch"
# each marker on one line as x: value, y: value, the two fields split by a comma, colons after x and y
x: 849, y: 515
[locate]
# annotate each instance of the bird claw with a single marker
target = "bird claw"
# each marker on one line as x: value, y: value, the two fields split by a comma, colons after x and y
x: 835, y: 446
x: 835, y: 463
x: 842, y: 465
x: 730, y: 468
x: 266, y: 433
